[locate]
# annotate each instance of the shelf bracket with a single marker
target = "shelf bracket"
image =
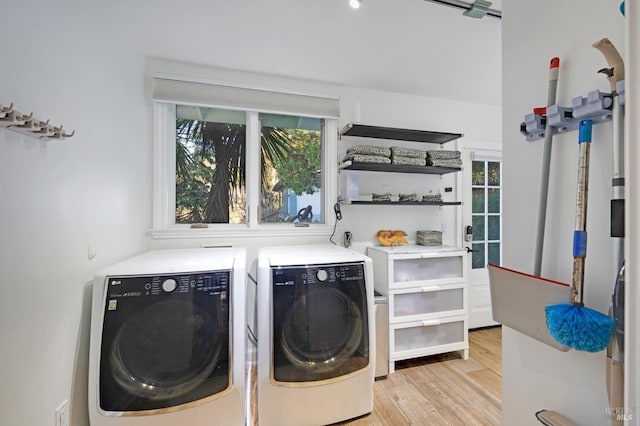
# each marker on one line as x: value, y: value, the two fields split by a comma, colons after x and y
x: 478, y: 9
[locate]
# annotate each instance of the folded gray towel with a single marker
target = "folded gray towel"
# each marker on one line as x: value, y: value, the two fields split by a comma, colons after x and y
x: 408, y: 197
x: 411, y: 161
x: 442, y: 154
x: 408, y: 152
x: 381, y: 197
x: 432, y: 198
x: 370, y: 150
x: 429, y: 238
x: 362, y: 158
x: 454, y: 162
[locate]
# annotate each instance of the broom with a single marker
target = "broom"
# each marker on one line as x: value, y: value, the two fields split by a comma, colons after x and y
x: 572, y: 324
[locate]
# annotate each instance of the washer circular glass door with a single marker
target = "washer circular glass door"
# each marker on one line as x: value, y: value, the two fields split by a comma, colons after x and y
x: 167, y: 349
x: 321, y: 330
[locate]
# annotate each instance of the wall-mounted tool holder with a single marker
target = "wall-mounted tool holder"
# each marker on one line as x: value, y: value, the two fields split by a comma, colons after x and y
x: 596, y: 106
x: 28, y: 125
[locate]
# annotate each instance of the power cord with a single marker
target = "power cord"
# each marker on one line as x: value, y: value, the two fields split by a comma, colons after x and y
x: 338, y: 213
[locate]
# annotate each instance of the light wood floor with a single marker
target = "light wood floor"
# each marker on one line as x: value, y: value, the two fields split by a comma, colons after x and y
x: 443, y: 389
x: 438, y: 390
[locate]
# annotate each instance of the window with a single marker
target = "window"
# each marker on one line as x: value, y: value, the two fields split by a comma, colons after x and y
x: 231, y: 168
x: 291, y: 169
x: 210, y: 165
x: 486, y: 211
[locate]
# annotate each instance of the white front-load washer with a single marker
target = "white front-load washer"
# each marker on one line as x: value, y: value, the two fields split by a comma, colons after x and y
x: 315, y: 331
x: 168, y: 340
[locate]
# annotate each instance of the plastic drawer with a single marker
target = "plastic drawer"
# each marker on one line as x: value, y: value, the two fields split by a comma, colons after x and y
x: 427, y: 269
x: 436, y: 335
x: 426, y: 302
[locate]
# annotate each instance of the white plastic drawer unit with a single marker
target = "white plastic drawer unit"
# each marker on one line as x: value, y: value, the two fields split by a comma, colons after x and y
x: 428, y: 337
x: 427, y: 302
x: 427, y: 289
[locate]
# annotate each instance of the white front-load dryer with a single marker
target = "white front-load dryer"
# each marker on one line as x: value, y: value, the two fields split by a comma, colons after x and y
x: 168, y: 340
x: 315, y: 332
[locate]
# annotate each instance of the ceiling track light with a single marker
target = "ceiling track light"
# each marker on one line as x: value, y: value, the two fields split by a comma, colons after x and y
x: 477, y: 9
x: 355, y: 3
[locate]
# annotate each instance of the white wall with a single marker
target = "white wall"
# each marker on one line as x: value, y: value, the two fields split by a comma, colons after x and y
x: 535, y: 376
x: 83, y: 65
x: 60, y: 198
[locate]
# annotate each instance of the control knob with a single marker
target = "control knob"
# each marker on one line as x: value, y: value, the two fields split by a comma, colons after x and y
x: 169, y: 285
x: 322, y: 275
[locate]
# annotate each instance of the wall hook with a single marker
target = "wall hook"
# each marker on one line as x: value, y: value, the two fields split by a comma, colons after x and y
x: 6, y: 110
x: 28, y: 125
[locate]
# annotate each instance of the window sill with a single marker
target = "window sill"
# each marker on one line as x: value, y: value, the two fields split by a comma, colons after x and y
x: 239, y: 231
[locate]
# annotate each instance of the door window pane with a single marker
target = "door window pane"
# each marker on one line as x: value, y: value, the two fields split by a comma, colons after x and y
x: 477, y: 173
x: 493, y: 173
x: 477, y: 256
x: 493, y: 223
x: 477, y: 202
x: 291, y: 169
x: 494, y: 253
x: 478, y: 228
x: 210, y: 165
x: 493, y: 200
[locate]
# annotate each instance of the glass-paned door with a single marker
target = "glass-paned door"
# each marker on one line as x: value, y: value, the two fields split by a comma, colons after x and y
x: 482, y: 211
x: 486, y: 213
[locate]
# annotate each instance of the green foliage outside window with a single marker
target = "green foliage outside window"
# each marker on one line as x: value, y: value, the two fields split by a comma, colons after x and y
x: 210, y: 172
x: 211, y: 169
x: 298, y: 168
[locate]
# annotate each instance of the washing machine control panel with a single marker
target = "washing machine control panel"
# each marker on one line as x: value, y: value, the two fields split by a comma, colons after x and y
x: 214, y: 282
x: 315, y: 274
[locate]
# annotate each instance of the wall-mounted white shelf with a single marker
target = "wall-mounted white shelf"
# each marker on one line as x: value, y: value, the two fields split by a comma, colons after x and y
x: 28, y: 125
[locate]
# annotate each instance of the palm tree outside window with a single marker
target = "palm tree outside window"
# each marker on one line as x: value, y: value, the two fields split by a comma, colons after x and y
x: 211, y: 167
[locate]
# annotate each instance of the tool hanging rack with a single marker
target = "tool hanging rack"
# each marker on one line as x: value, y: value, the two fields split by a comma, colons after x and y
x: 596, y: 106
x: 28, y: 125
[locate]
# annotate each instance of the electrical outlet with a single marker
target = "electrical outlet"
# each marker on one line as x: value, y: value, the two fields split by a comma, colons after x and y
x: 62, y: 414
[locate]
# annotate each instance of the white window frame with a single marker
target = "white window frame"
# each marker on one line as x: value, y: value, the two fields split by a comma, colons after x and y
x: 164, y: 171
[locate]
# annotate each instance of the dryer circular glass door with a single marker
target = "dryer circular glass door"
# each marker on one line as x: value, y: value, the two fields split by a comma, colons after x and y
x: 167, y: 349
x: 320, y: 324
x: 165, y: 341
x: 321, y: 330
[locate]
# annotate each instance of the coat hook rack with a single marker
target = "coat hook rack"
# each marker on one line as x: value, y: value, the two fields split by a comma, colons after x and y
x: 28, y: 125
